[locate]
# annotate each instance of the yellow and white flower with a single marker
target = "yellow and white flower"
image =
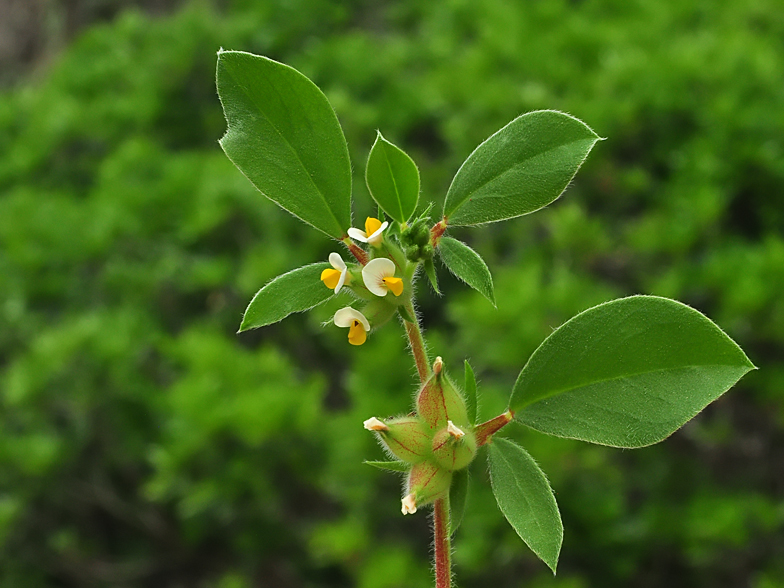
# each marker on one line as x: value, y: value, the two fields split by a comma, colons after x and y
x: 335, y: 278
x: 379, y: 277
x: 358, y: 325
x: 371, y: 234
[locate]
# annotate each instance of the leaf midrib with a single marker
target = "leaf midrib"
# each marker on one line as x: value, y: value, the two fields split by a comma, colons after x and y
x: 621, y: 377
x: 517, y: 164
x: 283, y: 137
x: 532, y: 510
x: 394, y: 183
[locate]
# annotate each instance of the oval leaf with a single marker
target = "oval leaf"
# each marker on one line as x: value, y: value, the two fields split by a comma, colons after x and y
x: 284, y: 136
x: 393, y: 179
x: 521, y: 168
x: 627, y: 373
x: 298, y: 290
x: 466, y: 264
x: 526, y: 499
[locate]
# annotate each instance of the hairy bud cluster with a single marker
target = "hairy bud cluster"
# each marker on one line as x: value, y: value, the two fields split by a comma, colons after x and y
x: 416, y: 241
x: 436, y: 441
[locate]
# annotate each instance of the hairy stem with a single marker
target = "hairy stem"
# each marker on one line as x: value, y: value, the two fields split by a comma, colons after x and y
x: 443, y: 547
x: 484, y: 431
x: 441, y: 521
x: 417, y: 344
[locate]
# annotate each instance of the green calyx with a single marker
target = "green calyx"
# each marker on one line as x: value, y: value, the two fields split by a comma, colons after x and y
x: 453, y: 447
x: 439, y: 402
x: 405, y: 438
x: 426, y: 483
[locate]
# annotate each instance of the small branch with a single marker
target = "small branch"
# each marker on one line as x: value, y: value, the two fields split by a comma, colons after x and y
x: 417, y: 344
x: 443, y: 547
x: 486, y: 430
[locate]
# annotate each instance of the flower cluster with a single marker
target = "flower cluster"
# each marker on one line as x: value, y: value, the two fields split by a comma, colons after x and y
x: 435, y: 442
x: 386, y: 272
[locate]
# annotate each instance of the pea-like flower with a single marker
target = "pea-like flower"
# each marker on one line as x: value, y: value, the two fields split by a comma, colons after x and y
x: 357, y: 324
x: 379, y: 277
x: 335, y: 278
x: 372, y: 232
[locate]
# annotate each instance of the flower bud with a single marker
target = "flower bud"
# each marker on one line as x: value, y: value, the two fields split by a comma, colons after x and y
x: 426, y: 482
x: 439, y: 401
x: 454, y: 448
x: 403, y: 437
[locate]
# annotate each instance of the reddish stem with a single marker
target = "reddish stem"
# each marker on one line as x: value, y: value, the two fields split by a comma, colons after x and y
x: 443, y: 545
x: 486, y: 430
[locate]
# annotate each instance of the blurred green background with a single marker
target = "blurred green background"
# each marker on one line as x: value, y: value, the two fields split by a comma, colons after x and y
x: 145, y: 444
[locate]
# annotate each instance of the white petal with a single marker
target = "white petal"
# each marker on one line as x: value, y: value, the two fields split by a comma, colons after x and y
x: 337, y: 261
x: 454, y: 430
x: 373, y: 424
x: 345, y: 316
x: 409, y: 504
x: 342, y: 279
x: 375, y: 271
x: 358, y: 235
x: 375, y: 238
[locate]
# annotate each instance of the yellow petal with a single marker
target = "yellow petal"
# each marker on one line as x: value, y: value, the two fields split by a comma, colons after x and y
x: 371, y: 225
x: 394, y: 284
x: 330, y: 277
x: 356, y: 333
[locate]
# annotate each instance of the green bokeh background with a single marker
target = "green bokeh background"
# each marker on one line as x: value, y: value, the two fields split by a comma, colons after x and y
x: 145, y: 444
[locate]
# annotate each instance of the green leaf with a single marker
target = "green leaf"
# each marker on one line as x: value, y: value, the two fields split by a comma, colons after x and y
x: 405, y: 315
x: 521, y: 168
x: 627, y: 373
x: 284, y: 136
x: 458, y: 496
x: 466, y: 264
x: 524, y: 496
x: 472, y: 402
x: 298, y: 290
x: 430, y: 272
x: 393, y: 179
x: 391, y: 466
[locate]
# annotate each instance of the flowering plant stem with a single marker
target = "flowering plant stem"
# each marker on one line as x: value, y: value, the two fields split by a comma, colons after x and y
x: 417, y: 344
x: 441, y: 516
x: 443, y: 545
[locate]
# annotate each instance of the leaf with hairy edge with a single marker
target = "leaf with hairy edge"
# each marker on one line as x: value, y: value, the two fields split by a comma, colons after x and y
x: 430, y: 272
x: 392, y: 178
x: 472, y: 401
x: 391, y: 466
x: 521, y: 168
x: 466, y: 264
x: 458, y: 497
x: 284, y: 136
x: 298, y: 290
x: 627, y: 373
x: 526, y: 500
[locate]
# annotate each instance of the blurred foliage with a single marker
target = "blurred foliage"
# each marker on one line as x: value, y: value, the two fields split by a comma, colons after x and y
x: 145, y: 444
